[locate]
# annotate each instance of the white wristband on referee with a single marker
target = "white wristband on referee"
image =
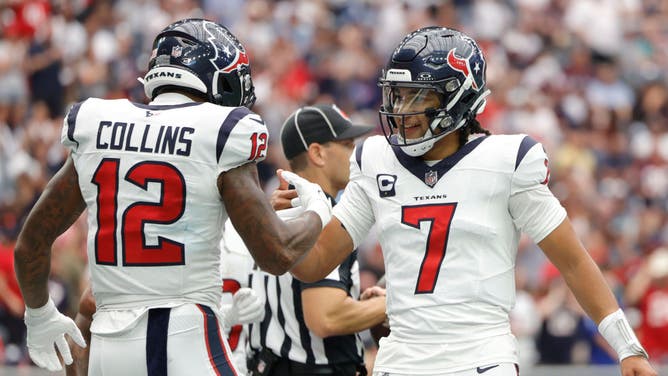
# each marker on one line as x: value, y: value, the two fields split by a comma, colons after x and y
x: 619, y: 334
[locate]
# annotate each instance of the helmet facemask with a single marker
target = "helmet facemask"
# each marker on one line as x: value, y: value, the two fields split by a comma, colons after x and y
x: 434, y: 60
x: 403, y: 100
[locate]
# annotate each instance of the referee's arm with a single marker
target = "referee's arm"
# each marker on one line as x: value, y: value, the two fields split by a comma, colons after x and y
x: 329, y: 311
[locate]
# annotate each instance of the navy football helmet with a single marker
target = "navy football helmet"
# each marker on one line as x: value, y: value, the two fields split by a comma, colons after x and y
x: 204, y: 56
x: 435, y: 65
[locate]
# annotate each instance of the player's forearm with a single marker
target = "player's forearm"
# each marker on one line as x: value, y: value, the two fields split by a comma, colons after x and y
x: 351, y: 316
x: 57, y: 208
x: 310, y: 268
x: 303, y: 234
x: 274, y: 244
x: 277, y: 246
x: 581, y: 274
x: 32, y: 260
x: 592, y: 292
x: 333, y: 246
x: 590, y: 289
x: 32, y: 272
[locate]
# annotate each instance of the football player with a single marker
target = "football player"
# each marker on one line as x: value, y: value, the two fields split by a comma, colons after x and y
x: 240, y: 305
x: 449, y: 201
x: 157, y: 182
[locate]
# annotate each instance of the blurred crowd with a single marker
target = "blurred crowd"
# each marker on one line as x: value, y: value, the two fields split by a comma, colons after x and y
x: 587, y: 78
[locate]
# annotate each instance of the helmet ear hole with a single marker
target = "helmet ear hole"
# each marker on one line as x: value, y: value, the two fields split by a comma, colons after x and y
x: 225, y: 85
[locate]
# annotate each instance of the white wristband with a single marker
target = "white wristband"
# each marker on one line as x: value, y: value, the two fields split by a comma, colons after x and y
x: 619, y: 334
x: 47, y: 308
x: 323, y: 210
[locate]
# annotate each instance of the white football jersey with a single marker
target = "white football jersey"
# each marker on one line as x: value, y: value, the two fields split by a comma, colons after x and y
x: 148, y: 175
x: 449, y: 233
x: 235, y: 269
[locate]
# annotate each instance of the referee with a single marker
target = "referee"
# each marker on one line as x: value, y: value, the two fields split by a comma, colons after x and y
x: 311, y: 328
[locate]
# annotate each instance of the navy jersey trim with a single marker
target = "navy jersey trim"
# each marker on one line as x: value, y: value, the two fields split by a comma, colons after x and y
x: 72, y: 120
x: 257, y: 120
x: 526, y: 145
x: 228, y: 125
x: 160, y: 107
x: 218, y: 357
x: 358, y: 154
x: 419, y: 168
x: 156, y: 341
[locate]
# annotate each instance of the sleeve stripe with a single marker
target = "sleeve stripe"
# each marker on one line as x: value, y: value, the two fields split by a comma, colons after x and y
x: 257, y: 121
x: 526, y: 145
x: 358, y: 154
x: 226, y: 128
x: 71, y: 121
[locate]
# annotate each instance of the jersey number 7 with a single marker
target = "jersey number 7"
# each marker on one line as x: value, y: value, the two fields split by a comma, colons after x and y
x: 439, y: 217
x: 170, y: 208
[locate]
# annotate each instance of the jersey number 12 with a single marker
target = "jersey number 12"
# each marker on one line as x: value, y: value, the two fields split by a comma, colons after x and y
x: 168, y: 210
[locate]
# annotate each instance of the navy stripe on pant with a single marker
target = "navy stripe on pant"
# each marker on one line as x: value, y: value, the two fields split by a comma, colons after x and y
x: 156, y: 341
x: 214, y: 342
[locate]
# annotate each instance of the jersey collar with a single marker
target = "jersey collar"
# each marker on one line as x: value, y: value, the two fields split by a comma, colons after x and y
x: 170, y: 98
x: 430, y: 175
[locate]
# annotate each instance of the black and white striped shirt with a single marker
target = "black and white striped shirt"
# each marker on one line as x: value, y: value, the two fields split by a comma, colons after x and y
x: 283, y: 329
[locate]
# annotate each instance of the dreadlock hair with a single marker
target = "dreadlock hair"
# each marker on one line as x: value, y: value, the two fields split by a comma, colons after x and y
x: 473, y: 127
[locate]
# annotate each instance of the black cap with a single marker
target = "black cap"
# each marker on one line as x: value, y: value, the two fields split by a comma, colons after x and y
x: 318, y: 123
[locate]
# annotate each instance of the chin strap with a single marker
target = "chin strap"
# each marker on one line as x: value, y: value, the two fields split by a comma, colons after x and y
x: 419, y: 148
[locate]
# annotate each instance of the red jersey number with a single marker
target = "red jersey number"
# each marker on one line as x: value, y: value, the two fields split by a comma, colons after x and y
x: 135, y: 251
x: 439, y: 216
x: 258, y: 145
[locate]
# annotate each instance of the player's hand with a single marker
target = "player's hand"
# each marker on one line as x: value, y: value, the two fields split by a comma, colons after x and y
x: 282, y: 197
x: 372, y: 292
x: 310, y: 196
x: 46, y: 332
x: 637, y: 366
x: 246, y: 308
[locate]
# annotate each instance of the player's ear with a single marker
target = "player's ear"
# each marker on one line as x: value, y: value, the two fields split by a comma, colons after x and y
x: 316, y: 154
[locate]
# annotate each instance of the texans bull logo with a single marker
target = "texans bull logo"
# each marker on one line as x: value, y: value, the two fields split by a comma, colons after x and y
x: 463, y: 65
x: 241, y: 59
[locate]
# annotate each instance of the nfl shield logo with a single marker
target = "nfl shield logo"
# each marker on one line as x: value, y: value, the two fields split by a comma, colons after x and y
x: 431, y: 178
x: 176, y: 51
x: 261, y: 366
